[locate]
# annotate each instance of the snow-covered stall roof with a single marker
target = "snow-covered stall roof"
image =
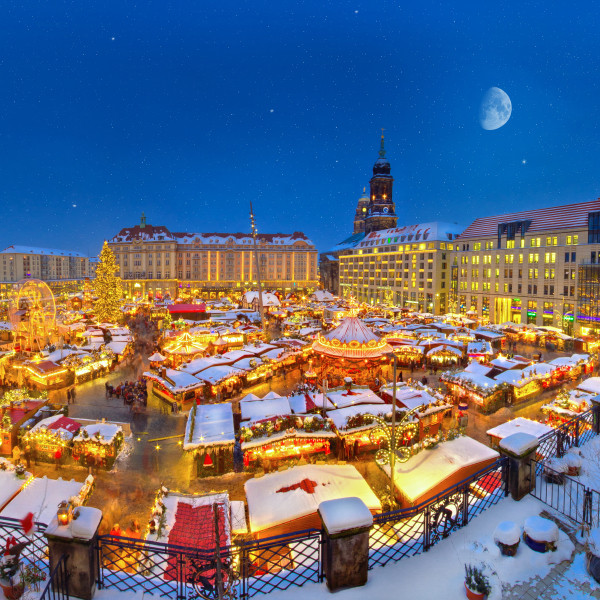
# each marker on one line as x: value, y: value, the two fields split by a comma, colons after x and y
x: 62, y: 426
x: 341, y: 397
x: 481, y: 347
x: 478, y: 368
x: 218, y: 373
x: 591, y: 385
x: 340, y: 416
x: 117, y: 347
x: 41, y: 497
x: 103, y: 433
x: 297, y: 492
x: 200, y: 364
x: 212, y: 426
x: 190, y: 520
x: 430, y: 468
x: 10, y: 484
x: 176, y: 380
x: 519, y: 425
x: 255, y: 410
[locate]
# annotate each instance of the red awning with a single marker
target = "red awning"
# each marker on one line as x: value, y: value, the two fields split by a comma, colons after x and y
x: 65, y: 423
x: 187, y: 308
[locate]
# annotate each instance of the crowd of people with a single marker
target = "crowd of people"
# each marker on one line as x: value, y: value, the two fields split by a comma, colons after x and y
x: 131, y: 392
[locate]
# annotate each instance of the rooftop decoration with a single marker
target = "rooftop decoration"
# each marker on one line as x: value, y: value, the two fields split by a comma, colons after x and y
x: 351, y: 339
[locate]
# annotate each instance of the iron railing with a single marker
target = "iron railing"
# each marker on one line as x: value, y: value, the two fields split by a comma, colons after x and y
x: 410, y: 531
x: 242, y: 571
x: 565, y: 494
x: 57, y: 587
x: 35, y: 554
x: 574, y: 432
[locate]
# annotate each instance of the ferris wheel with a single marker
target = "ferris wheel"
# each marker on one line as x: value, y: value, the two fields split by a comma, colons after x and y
x: 32, y: 314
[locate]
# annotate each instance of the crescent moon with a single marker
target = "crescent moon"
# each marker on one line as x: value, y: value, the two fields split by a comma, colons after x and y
x: 495, y: 109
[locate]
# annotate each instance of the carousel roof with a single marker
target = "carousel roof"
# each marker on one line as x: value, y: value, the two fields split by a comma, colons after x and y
x: 351, y: 339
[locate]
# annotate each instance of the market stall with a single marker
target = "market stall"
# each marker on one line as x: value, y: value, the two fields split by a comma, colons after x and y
x: 285, y: 436
x: 210, y: 437
x: 100, y: 442
x: 49, y: 436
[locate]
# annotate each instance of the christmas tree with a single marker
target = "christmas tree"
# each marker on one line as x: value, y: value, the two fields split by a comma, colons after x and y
x: 107, y: 287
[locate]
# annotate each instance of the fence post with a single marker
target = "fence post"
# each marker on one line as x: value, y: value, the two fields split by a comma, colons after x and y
x: 587, y: 507
x: 520, y: 449
x: 426, y: 529
x: 596, y: 414
x: 78, y: 540
x: 346, y: 524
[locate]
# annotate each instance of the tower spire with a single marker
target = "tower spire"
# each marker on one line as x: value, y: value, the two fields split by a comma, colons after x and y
x: 382, y: 148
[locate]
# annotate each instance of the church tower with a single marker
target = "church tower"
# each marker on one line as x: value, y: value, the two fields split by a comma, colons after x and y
x: 361, y: 212
x: 381, y: 213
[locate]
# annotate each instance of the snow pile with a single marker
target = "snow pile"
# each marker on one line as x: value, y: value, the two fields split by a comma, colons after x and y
x: 344, y: 514
x: 594, y: 541
x: 519, y: 443
x: 541, y: 530
x: 507, y: 533
x: 472, y: 544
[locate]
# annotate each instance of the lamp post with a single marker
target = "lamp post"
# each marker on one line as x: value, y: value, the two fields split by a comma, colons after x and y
x: 257, y: 260
x: 393, y: 455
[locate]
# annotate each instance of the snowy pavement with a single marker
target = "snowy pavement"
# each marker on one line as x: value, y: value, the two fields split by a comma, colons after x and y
x: 439, y: 573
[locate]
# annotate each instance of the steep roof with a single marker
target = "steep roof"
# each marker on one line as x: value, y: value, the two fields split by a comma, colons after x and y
x: 542, y: 219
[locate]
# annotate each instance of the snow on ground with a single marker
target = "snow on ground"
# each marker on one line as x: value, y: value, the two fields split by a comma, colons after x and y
x: 439, y: 573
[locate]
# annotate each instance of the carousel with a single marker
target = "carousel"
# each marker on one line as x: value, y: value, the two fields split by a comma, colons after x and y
x: 351, y: 350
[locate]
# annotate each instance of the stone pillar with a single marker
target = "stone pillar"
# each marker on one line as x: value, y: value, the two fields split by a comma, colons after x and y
x: 520, y: 449
x: 346, y: 524
x: 77, y: 540
x: 596, y: 414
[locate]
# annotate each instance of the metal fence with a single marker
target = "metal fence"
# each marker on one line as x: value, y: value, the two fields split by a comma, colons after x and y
x: 241, y: 571
x: 57, y: 587
x: 35, y: 554
x: 575, y: 432
x: 410, y: 531
x: 565, y: 494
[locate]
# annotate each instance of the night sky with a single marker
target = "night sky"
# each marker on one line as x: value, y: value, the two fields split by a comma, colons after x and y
x: 190, y: 111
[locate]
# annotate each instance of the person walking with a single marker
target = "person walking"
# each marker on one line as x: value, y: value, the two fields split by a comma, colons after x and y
x: 57, y: 459
x: 73, y: 394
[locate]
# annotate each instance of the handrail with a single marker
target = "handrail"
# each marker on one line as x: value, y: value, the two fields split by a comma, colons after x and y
x: 58, y: 577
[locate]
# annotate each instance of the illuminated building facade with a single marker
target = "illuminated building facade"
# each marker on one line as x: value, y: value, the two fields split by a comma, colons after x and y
x: 537, y: 266
x: 62, y: 270
x: 404, y: 266
x: 155, y: 261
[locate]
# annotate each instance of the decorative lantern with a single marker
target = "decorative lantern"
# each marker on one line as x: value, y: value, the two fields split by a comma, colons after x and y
x: 64, y: 514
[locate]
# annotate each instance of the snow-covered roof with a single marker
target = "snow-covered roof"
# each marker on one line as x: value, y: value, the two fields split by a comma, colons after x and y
x: 41, y: 497
x: 255, y: 410
x: 177, y: 380
x: 200, y: 364
x: 214, y: 375
x: 428, y: 469
x: 37, y: 250
x: 475, y: 367
x: 436, y: 230
x: 592, y: 385
x: 106, y: 431
x: 213, y: 425
x: 279, y: 498
x: 340, y: 416
x: 10, y: 484
x: 323, y: 296
x: 117, y: 347
x: 268, y: 298
x: 341, y: 397
x: 519, y: 425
